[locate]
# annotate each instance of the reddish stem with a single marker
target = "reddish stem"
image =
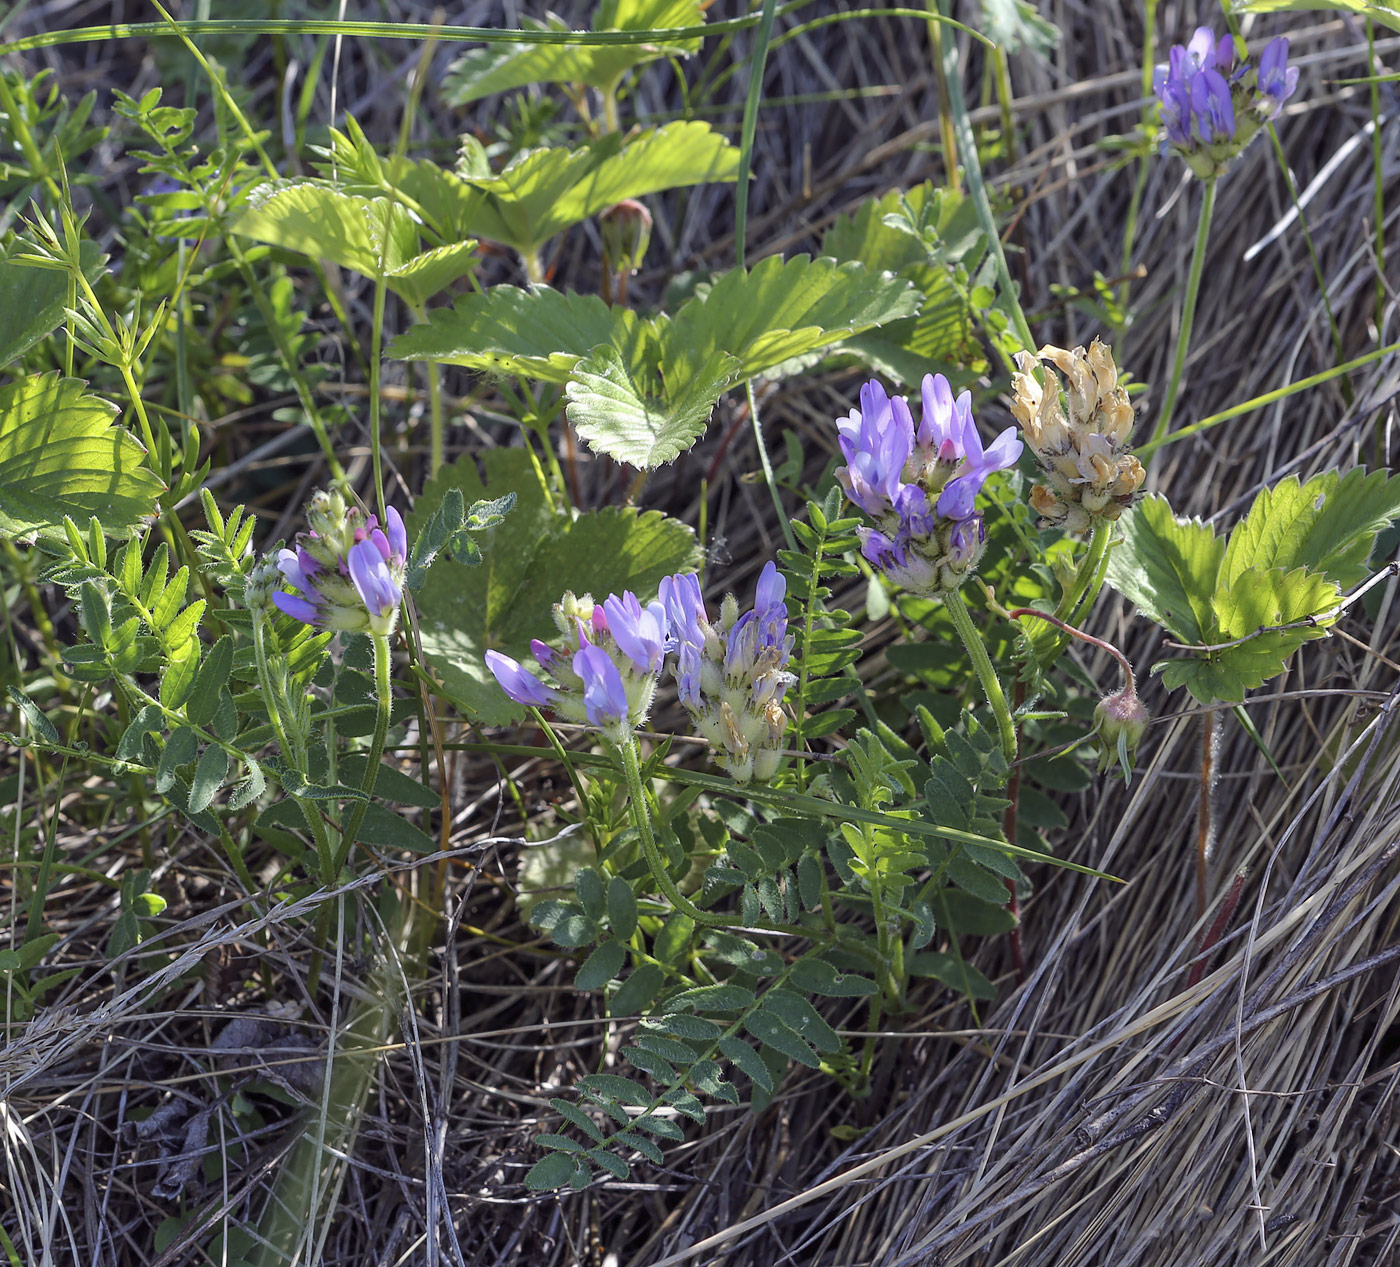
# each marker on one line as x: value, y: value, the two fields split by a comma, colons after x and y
x: 1016, y: 613
x: 1211, y: 937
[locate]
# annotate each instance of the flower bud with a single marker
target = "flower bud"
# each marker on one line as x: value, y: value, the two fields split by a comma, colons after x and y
x: 1120, y: 721
x: 626, y: 231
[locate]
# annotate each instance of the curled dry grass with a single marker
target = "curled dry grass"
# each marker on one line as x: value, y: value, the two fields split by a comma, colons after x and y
x: 1106, y: 1111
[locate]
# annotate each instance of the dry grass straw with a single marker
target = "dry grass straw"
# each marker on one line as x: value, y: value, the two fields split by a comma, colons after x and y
x: 1104, y: 1112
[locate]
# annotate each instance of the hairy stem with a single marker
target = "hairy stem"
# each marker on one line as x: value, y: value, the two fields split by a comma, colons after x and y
x: 987, y: 675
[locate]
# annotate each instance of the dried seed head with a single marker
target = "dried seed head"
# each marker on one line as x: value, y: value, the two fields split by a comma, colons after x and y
x: 1084, y: 453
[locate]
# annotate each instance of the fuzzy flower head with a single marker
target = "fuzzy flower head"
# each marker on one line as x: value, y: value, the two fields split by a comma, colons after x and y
x: 732, y: 673
x: 1091, y: 472
x: 1213, y: 101
x: 346, y: 572
x: 605, y: 672
x: 920, y: 484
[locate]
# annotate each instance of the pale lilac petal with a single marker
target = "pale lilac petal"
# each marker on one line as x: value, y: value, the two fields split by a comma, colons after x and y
x: 604, y: 695
x: 373, y: 581
x: 517, y: 682
x: 398, y: 535
x: 295, y: 607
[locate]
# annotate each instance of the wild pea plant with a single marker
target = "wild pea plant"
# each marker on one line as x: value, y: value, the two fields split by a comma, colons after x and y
x: 781, y: 911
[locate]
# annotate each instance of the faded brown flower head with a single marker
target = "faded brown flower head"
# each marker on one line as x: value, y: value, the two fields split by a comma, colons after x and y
x: 1090, y: 470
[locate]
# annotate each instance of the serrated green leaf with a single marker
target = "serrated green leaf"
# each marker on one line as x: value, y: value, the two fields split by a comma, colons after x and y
x: 1167, y: 567
x: 1327, y: 525
x: 636, y: 419
x: 1257, y: 598
x: 61, y: 456
x: 527, y: 563
x: 501, y: 67
x: 544, y: 191
x: 540, y: 333
x: 781, y: 309
x: 314, y: 218
x: 33, y: 299
x: 418, y: 279
x: 942, y: 336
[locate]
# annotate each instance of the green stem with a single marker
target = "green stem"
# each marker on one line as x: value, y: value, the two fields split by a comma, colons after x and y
x: 636, y: 799
x: 759, y: 60
x: 977, y: 190
x: 435, y: 418
x: 376, y: 340
x: 1144, y: 166
x: 1073, y: 597
x: 784, y: 520
x: 375, y: 754
x: 1188, y: 313
x: 982, y: 662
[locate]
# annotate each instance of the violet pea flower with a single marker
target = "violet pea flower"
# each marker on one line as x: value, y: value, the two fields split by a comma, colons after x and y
x: 518, y: 682
x: 604, y: 694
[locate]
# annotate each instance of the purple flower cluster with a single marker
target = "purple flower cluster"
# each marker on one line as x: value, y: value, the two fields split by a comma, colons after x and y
x: 347, y: 571
x: 608, y: 676
x: 920, y: 484
x: 731, y: 674
x: 1213, y: 101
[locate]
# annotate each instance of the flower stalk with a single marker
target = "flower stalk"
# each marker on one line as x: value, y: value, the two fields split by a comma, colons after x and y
x: 1188, y: 314
x: 986, y: 673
